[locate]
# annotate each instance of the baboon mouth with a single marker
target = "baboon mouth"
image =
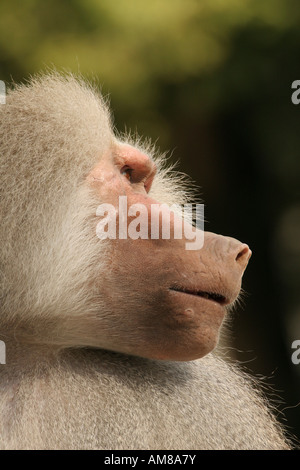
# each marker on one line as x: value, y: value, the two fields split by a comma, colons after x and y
x: 220, y: 299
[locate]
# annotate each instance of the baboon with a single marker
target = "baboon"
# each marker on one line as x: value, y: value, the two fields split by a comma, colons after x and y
x: 109, y: 342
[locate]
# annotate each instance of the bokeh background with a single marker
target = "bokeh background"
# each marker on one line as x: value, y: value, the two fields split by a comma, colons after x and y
x: 209, y: 80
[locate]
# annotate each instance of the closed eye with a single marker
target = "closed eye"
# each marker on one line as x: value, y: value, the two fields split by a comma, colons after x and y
x: 127, y: 172
x: 136, y: 176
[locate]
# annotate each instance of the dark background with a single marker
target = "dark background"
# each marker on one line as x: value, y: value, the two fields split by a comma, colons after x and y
x: 211, y: 80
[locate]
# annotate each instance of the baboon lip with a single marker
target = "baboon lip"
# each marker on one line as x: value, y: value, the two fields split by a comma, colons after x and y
x: 213, y: 296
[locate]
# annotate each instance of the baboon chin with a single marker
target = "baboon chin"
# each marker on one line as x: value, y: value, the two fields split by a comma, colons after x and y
x: 110, y: 340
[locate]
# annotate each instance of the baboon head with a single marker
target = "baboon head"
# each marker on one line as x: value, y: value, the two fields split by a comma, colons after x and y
x: 62, y: 284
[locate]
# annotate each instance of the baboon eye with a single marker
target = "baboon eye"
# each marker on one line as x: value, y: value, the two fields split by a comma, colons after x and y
x: 127, y: 172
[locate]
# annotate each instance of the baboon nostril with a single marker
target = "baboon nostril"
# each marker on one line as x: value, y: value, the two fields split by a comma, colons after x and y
x: 243, y: 255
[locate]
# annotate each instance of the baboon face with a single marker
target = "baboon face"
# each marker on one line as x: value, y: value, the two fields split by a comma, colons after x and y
x: 148, y: 296
x: 169, y: 302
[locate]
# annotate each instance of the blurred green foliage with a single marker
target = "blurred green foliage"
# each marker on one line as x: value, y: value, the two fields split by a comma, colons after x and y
x: 211, y: 78
x: 137, y: 48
